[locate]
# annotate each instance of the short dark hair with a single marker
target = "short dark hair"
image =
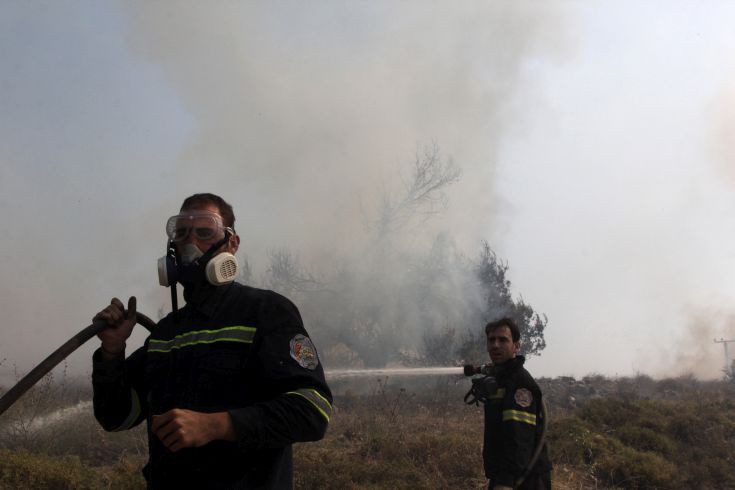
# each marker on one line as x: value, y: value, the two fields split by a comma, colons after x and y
x: 204, y: 198
x: 505, y: 322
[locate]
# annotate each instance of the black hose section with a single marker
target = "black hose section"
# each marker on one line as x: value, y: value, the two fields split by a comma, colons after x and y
x: 539, y: 447
x: 41, y: 370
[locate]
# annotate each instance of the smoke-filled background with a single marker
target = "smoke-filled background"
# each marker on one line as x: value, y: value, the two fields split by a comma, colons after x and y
x: 589, y: 143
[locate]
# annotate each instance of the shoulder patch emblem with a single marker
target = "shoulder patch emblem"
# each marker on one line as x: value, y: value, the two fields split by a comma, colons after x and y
x: 523, y: 397
x: 304, y: 352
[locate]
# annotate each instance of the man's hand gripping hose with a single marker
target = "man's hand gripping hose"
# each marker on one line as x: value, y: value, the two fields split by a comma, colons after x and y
x: 38, y: 372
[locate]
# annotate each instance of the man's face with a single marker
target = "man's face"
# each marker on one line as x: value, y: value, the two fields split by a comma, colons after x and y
x: 500, y: 345
x: 202, y: 231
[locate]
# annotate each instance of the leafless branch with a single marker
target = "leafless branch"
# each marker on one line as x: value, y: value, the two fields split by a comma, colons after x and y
x: 423, y: 193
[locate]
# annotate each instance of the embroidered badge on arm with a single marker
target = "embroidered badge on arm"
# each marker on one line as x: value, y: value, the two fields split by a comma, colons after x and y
x: 523, y: 397
x: 304, y: 352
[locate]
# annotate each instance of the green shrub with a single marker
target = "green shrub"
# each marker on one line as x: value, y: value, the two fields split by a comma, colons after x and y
x: 619, y: 465
x: 570, y: 440
x: 684, y: 442
x: 645, y: 439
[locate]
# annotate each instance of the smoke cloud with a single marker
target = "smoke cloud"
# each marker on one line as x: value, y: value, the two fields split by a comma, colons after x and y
x: 585, y: 145
x: 303, y: 117
x: 308, y: 121
x: 695, y: 351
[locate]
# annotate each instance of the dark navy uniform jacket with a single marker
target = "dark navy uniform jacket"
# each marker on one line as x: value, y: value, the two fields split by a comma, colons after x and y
x: 231, y: 348
x: 513, y: 424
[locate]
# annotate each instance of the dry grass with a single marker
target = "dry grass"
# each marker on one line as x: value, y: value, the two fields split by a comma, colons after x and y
x: 369, y: 445
x: 431, y: 442
x: 631, y: 434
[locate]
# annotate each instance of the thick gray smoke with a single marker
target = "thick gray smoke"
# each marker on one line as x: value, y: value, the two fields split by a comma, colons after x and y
x: 305, y: 116
x: 589, y: 169
x: 309, y: 120
x: 695, y: 352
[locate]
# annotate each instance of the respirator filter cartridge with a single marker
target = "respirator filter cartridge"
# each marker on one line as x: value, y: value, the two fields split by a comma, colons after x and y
x: 222, y: 269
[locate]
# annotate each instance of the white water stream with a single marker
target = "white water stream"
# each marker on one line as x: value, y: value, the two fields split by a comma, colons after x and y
x: 59, y: 416
x: 428, y: 371
x: 62, y: 414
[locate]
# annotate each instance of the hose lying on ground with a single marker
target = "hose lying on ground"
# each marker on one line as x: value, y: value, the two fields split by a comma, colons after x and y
x: 38, y: 372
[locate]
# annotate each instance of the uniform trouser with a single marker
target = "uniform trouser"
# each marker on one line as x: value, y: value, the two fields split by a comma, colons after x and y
x: 534, y: 481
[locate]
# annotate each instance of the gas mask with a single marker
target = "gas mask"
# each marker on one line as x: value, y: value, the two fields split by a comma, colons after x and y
x: 187, y: 264
x: 191, y: 265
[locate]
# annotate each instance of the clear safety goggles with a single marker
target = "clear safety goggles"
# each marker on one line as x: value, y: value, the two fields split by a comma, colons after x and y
x: 203, y: 225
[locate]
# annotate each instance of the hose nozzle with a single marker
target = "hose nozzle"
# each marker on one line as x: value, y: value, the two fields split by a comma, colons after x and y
x: 484, y: 369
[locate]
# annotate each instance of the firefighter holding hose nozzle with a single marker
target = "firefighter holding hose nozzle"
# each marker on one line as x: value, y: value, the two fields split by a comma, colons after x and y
x: 514, y: 450
x: 225, y: 384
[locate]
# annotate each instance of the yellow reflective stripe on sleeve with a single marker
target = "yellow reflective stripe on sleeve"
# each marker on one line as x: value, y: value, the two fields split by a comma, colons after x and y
x: 134, y: 412
x: 316, y: 399
x: 497, y: 395
x: 518, y: 416
x: 236, y: 333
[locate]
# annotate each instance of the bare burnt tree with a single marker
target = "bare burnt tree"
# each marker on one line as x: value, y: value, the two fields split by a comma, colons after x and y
x: 422, y: 194
x: 286, y: 275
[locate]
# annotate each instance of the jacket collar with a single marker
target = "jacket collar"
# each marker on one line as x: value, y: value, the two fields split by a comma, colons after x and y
x: 206, y: 298
x: 510, y: 365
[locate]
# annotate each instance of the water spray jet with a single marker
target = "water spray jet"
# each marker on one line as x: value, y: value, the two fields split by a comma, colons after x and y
x: 403, y: 371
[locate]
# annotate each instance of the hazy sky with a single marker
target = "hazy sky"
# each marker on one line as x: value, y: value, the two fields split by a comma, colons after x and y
x: 595, y: 140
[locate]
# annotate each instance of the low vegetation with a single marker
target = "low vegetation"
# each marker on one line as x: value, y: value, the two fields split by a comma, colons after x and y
x: 631, y: 433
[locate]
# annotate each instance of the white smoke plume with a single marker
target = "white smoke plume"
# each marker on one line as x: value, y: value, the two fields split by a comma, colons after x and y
x: 305, y: 116
x: 302, y: 116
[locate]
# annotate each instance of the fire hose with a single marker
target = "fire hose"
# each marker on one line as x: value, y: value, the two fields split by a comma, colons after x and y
x: 30, y: 379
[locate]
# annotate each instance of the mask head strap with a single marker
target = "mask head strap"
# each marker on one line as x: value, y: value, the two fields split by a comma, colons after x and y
x: 211, y: 250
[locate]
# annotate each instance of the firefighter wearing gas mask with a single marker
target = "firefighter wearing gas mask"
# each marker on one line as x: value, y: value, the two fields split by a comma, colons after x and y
x: 514, y: 451
x: 226, y: 383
